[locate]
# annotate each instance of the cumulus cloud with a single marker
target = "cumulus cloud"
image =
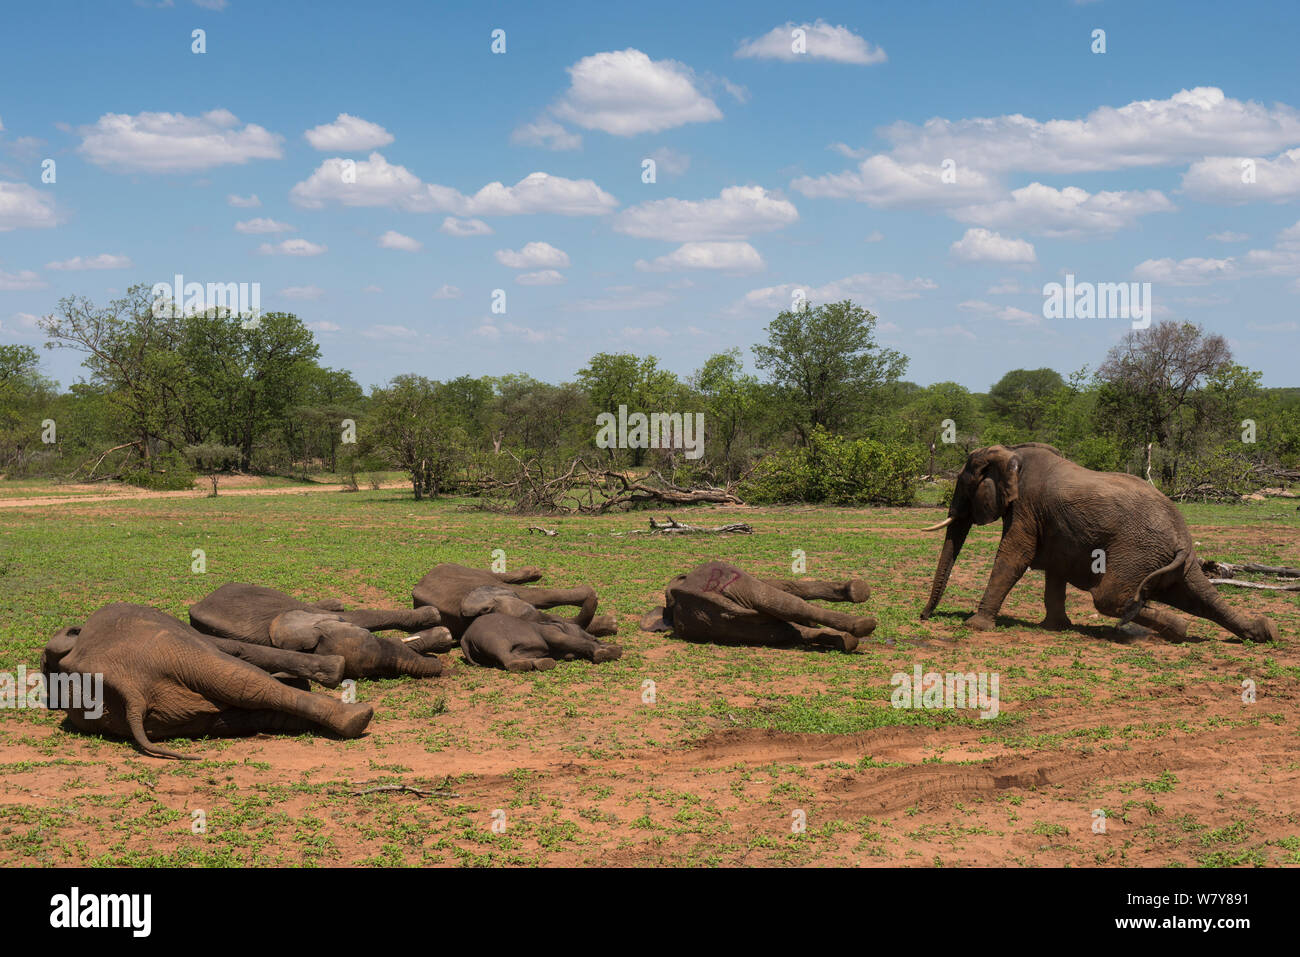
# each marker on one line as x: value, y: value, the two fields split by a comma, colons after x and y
x: 305, y: 292
x: 533, y: 256
x: 820, y: 41
x: 1066, y: 213
x: 860, y: 287
x: 1219, y: 179
x: 102, y: 261
x: 348, y: 134
x: 261, y: 224
x: 547, y: 134
x: 1228, y: 236
x: 25, y: 207
x: 624, y: 92
x: 376, y: 182
x: 1005, y: 313
x: 985, y: 246
x: 670, y: 162
x: 291, y: 247
x: 383, y: 331
x: 395, y: 240
x: 323, y: 326
x: 884, y: 182
x: 737, y: 213
x: 464, y: 227
x: 23, y: 279
x: 447, y: 292
x: 727, y: 256
x: 1194, y: 271
x: 544, y: 277
x: 174, y: 142
x: 244, y: 202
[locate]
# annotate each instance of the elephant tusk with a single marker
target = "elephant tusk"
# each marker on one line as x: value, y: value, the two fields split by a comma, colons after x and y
x: 944, y: 524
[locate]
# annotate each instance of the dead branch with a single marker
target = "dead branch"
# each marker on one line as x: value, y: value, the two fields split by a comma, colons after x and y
x: 1240, y: 584
x: 437, y: 792
x: 548, y: 532
x: 1229, y: 570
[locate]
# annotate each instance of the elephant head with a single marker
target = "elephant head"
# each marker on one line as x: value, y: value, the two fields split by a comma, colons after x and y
x: 986, y: 489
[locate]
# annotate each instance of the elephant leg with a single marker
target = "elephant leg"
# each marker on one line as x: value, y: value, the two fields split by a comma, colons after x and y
x: 409, y: 620
x: 1112, y: 597
x: 827, y: 638
x: 1169, y: 625
x: 851, y: 589
x: 1054, y: 600
x: 323, y: 669
x: 521, y: 577
x: 1196, y: 596
x: 602, y: 626
x: 242, y: 685
x: 431, y: 641
x: 778, y: 603
x: 562, y: 642
x: 488, y: 645
x: 329, y: 604
x: 555, y: 597
x: 1015, y: 552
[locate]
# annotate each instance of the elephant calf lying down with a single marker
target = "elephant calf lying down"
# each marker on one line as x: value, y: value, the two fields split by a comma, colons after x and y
x: 446, y: 587
x: 264, y: 616
x: 507, y: 632
x: 718, y: 602
x: 163, y: 679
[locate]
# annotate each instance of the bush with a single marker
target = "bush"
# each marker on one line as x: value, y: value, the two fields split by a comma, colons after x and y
x: 837, y: 471
x: 168, y: 472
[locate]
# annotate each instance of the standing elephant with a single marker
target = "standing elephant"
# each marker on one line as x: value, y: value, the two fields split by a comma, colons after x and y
x: 1104, y: 532
x: 447, y: 585
x: 720, y: 603
x: 162, y: 679
x: 505, y: 631
x: 264, y: 616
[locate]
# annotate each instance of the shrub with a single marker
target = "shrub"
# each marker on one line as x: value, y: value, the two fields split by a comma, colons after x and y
x: 168, y: 472
x: 837, y: 471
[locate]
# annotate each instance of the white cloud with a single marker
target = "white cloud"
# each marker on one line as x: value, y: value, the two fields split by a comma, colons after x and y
x: 1069, y: 213
x: 323, y: 326
x: 304, y: 292
x: 1187, y: 126
x: 874, y: 236
x: 1228, y: 236
x: 729, y: 256
x: 464, y: 227
x: 389, y: 332
x: 544, y: 277
x: 261, y: 224
x: 1219, y: 179
x: 447, y: 292
x: 23, y: 279
x: 25, y: 207
x: 372, y: 289
x: 1006, y: 287
x: 547, y: 134
x: 624, y: 92
x: 1289, y: 236
x: 25, y: 325
x: 348, y: 134
x: 670, y: 161
x: 1186, y: 272
x: 533, y: 256
x: 882, y: 181
x: 737, y: 213
x: 625, y: 298
x: 861, y: 287
x: 947, y: 332
x: 1005, y: 313
x: 395, y: 240
x: 174, y: 142
x: 102, y: 261
x: 984, y: 246
x: 291, y: 247
x: 376, y: 182
x: 244, y: 202
x: 821, y: 41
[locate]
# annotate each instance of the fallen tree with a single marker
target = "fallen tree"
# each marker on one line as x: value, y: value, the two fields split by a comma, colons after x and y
x: 1224, y: 573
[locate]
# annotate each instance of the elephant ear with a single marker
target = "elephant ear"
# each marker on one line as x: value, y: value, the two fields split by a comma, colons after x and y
x: 298, y: 630
x: 1004, y: 468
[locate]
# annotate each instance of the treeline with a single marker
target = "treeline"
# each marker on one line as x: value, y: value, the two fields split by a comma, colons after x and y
x: 830, y: 416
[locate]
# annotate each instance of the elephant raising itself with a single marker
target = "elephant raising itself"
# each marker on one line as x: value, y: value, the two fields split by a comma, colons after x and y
x: 163, y: 679
x: 1105, y: 532
x: 505, y: 631
x: 718, y: 602
x: 446, y: 587
x: 263, y: 616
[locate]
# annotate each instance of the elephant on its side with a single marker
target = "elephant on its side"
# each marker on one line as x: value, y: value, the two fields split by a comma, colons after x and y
x: 162, y: 679
x: 1111, y: 534
x: 263, y: 616
x: 446, y: 586
x: 718, y: 602
x: 505, y: 631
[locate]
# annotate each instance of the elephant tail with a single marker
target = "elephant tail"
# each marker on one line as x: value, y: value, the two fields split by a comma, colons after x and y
x: 1174, y: 571
x: 135, y: 721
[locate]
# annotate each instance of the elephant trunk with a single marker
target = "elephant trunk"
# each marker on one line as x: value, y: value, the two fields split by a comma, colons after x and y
x: 952, y: 543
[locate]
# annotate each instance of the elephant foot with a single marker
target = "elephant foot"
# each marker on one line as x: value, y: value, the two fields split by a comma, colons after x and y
x: 543, y: 664
x: 427, y: 616
x: 839, y: 641
x: 602, y: 626
x: 606, y: 653
x: 329, y: 670
x: 980, y: 622
x: 862, y: 627
x: 1262, y: 630
x: 329, y: 604
x: 355, y: 723
x: 1056, y: 624
x: 431, y: 641
x: 859, y: 591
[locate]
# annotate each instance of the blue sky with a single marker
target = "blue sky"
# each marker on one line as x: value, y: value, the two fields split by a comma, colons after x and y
x: 776, y: 171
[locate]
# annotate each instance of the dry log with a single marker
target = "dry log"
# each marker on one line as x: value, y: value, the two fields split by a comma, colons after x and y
x: 1241, y: 584
x: 1229, y: 570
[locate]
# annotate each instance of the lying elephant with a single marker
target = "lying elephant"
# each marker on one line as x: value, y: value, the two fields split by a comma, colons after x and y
x: 1111, y: 534
x: 447, y: 585
x: 505, y: 631
x: 718, y: 602
x: 264, y: 616
x: 162, y: 679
